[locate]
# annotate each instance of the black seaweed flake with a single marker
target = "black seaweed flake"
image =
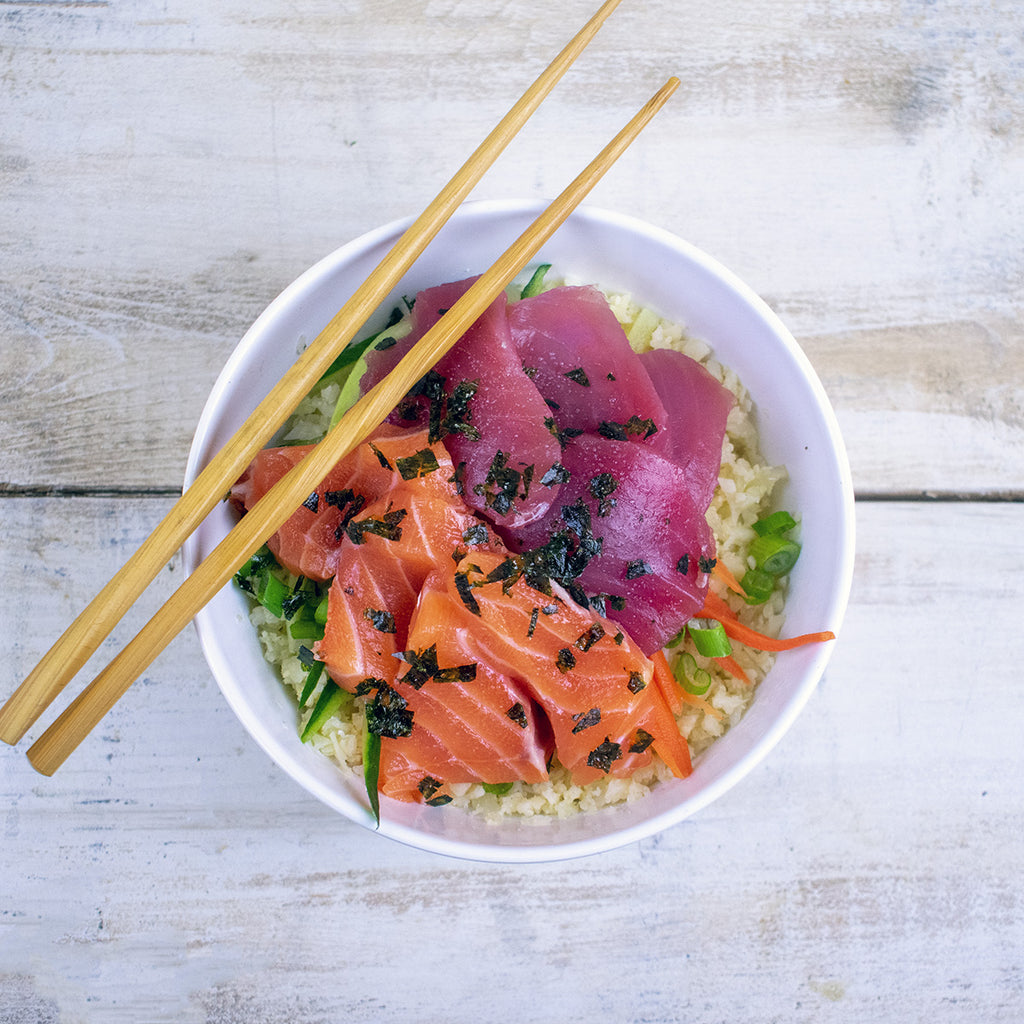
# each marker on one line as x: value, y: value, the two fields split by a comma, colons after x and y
x: 563, y: 435
x: 619, y: 638
x: 634, y: 426
x: 348, y: 503
x: 476, y: 534
x: 385, y: 343
x: 557, y: 474
x: 641, y: 741
x: 458, y: 479
x: 428, y: 787
x: 306, y: 657
x: 382, y: 621
x: 386, y: 527
x: 420, y: 464
x: 368, y: 685
x: 465, y: 590
x: 517, y: 713
x: 587, y: 640
x: 578, y: 376
x: 388, y: 714
x: 638, y: 568
x: 683, y: 565
x: 636, y: 682
x: 423, y: 666
x: 604, y: 755
x: 501, y: 485
x: 312, y: 502
x: 533, y: 621
x: 381, y: 457
x: 611, y: 376
x: 706, y: 564
x: 601, y: 488
x: 530, y: 371
x: 586, y: 720
x: 565, y: 660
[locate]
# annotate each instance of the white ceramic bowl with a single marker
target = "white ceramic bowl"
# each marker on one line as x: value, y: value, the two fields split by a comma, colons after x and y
x: 797, y: 426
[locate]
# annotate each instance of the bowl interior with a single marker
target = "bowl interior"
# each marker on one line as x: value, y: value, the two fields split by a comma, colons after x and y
x: 797, y: 426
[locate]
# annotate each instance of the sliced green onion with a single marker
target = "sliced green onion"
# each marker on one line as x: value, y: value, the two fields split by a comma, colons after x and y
x: 312, y: 678
x: 320, y: 616
x: 272, y: 593
x: 757, y: 585
x: 774, y: 553
x: 498, y: 788
x: 303, y: 628
x: 677, y: 639
x: 709, y: 638
x: 371, y: 771
x: 777, y: 522
x: 691, y: 678
x: 331, y: 699
x: 536, y: 282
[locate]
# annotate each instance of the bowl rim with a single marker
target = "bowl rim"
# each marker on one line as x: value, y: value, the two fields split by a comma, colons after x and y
x: 295, y: 294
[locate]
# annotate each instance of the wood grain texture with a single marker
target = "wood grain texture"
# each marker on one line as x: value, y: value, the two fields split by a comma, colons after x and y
x: 171, y: 873
x: 166, y: 170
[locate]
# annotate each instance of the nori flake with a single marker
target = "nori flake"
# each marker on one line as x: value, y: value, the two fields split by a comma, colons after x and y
x: 383, y: 622
x: 517, y: 713
x: 428, y: 786
x: 565, y: 660
x: 587, y: 640
x: 465, y: 589
x: 381, y: 457
x: 706, y: 564
x: 557, y: 474
x: 476, y: 534
x: 638, y: 568
x: 634, y: 426
x: 533, y: 621
x: 420, y: 464
x: 641, y: 741
x: 683, y: 565
x: 601, y: 488
x: 586, y: 719
x: 312, y: 502
x: 388, y: 714
x: 579, y: 376
x: 603, y: 755
x: 423, y: 666
x: 386, y: 527
x: 636, y: 682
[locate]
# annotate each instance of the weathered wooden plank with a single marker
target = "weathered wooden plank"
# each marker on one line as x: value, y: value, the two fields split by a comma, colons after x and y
x: 162, y: 178
x: 170, y: 872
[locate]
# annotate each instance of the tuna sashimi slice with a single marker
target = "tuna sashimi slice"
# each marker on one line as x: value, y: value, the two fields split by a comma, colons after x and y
x: 580, y: 359
x: 378, y: 581
x: 481, y: 729
x: 309, y: 542
x: 652, y: 548
x: 592, y: 682
x: 492, y: 418
x: 697, y: 407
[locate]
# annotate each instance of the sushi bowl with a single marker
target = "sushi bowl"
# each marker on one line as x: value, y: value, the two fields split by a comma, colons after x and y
x: 797, y: 429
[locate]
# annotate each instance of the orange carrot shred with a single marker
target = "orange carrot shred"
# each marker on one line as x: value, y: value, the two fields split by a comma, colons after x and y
x: 716, y: 608
x: 667, y: 681
x: 721, y: 570
x: 731, y: 666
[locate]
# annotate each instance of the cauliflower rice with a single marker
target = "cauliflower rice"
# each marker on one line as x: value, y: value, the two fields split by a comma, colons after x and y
x: 744, y: 495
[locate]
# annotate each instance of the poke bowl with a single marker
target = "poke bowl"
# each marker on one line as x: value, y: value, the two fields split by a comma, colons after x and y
x: 796, y: 434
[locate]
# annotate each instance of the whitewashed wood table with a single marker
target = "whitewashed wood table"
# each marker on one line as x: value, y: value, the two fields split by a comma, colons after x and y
x: 165, y: 169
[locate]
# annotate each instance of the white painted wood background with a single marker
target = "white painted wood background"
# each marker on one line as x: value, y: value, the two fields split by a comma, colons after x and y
x: 166, y: 168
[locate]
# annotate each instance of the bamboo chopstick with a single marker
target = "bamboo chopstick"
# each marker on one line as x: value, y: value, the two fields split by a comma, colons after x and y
x: 81, y: 639
x: 50, y: 751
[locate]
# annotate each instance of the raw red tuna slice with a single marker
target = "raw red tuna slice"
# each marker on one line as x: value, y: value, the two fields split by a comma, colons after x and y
x: 578, y: 356
x: 655, y: 546
x: 309, y: 542
x: 493, y: 419
x: 697, y: 407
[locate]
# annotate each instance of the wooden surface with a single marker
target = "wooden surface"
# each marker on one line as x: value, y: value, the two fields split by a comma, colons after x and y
x: 165, y: 170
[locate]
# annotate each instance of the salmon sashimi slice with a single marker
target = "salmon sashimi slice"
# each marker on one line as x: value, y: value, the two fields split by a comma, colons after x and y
x: 309, y: 542
x: 378, y: 580
x: 593, y: 683
x: 469, y: 721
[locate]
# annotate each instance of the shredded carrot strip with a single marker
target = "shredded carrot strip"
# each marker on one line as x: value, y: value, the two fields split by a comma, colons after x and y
x: 667, y: 681
x: 716, y: 608
x: 721, y: 570
x: 732, y: 667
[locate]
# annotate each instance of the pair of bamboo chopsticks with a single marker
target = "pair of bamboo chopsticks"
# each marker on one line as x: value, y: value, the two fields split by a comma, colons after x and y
x: 85, y: 634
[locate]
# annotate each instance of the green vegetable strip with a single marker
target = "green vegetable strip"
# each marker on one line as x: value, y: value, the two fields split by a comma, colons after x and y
x: 774, y: 554
x: 536, y: 283
x: 757, y: 586
x: 371, y: 771
x: 312, y: 678
x: 709, y: 638
x: 691, y: 678
x: 777, y: 522
x: 332, y: 697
